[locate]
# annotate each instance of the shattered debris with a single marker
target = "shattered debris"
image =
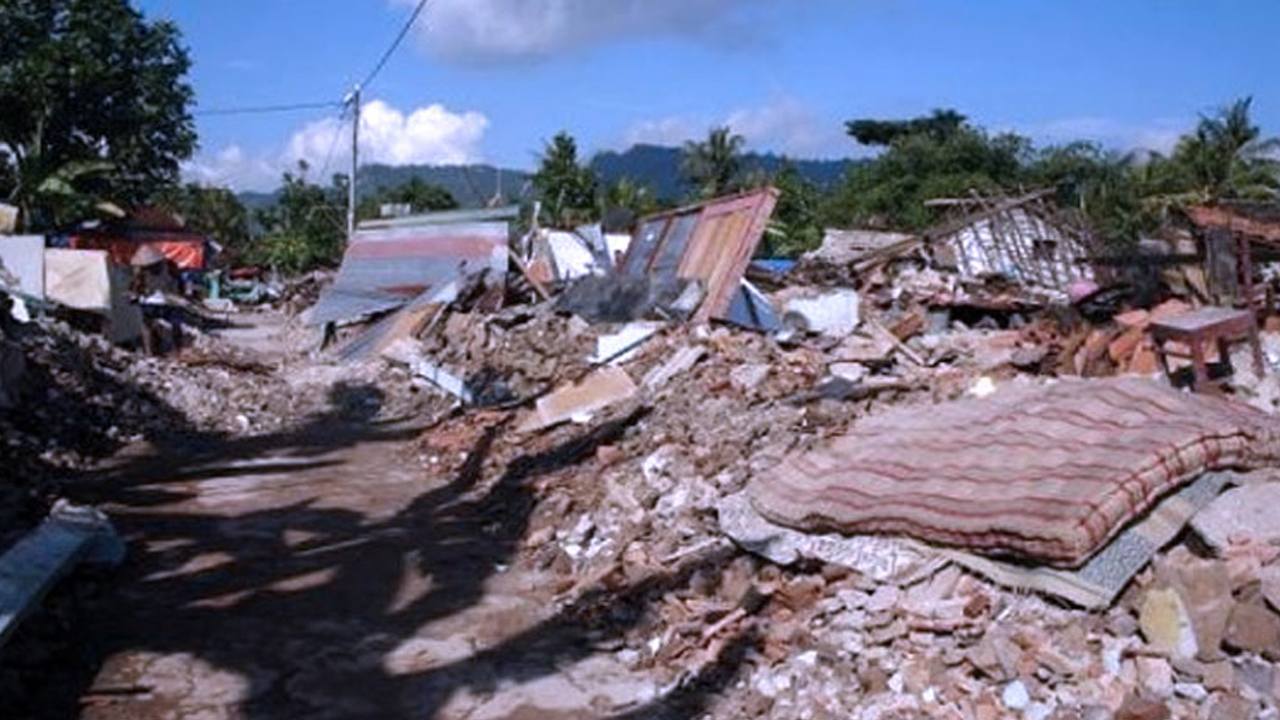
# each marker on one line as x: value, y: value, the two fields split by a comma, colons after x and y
x: 929, y: 490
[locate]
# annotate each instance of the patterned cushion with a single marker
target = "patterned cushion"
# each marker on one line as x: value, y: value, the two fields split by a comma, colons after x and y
x: 1048, y: 473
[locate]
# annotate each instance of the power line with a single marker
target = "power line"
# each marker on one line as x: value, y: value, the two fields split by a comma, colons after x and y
x: 263, y: 109
x: 422, y: 4
x: 337, y: 135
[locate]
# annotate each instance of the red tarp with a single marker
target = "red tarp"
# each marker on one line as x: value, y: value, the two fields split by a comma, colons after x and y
x: 182, y: 249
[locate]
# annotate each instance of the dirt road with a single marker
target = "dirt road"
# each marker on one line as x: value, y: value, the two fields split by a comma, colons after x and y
x: 322, y: 572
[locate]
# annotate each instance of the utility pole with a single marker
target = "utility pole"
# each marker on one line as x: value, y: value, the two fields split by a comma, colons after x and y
x: 353, y: 99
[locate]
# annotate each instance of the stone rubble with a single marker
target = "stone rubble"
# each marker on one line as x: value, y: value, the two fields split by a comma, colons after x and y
x: 1196, y: 635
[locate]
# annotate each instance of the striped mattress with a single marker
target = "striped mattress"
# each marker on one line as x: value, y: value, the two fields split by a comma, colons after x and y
x: 1045, y: 473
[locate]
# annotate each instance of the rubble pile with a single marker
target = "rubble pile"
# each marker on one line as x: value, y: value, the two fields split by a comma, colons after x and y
x: 608, y: 462
x: 715, y: 406
x: 526, y: 349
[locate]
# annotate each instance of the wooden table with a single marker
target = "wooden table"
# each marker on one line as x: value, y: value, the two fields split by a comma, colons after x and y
x: 1200, y: 328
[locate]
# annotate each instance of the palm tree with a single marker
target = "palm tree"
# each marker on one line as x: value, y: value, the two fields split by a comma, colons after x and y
x: 1226, y: 157
x: 629, y: 196
x: 714, y: 165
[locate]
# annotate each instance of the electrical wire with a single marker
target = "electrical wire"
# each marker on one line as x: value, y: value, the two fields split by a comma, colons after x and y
x: 263, y: 109
x: 422, y: 4
x: 337, y: 135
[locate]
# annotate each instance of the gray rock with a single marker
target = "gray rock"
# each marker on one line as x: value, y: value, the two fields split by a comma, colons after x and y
x: 1243, y: 512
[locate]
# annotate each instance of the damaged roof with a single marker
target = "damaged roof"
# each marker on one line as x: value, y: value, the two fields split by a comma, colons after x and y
x: 389, y: 263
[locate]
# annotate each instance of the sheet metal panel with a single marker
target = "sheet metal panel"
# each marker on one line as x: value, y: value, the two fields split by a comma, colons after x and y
x: 385, y: 268
x: 712, y: 242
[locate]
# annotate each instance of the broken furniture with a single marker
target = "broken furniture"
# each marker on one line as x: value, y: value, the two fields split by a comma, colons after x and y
x: 1042, y: 473
x: 1201, y: 329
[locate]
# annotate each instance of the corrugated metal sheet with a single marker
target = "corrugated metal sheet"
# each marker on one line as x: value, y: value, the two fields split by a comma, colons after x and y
x: 385, y: 268
x: 712, y: 242
x: 446, y: 217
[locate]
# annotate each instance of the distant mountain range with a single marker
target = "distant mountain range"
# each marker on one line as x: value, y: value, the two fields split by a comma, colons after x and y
x: 652, y: 165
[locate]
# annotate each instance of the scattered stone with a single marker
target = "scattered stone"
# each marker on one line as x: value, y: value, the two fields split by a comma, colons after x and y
x: 1219, y: 676
x: 1015, y: 696
x: 1156, y: 676
x: 1231, y: 707
x: 1254, y: 628
x: 1241, y: 513
x: 1165, y: 623
x: 1257, y: 675
x: 748, y: 377
x: 1140, y: 708
x: 1191, y: 691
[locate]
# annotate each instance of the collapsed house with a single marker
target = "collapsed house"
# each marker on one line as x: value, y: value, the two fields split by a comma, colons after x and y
x: 933, y: 486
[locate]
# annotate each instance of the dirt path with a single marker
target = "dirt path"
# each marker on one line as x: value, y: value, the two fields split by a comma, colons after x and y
x: 320, y: 572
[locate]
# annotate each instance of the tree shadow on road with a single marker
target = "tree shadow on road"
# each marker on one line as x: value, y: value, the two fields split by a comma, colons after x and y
x: 295, y: 609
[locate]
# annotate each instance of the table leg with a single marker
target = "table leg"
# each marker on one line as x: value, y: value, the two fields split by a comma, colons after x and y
x: 1201, y: 381
x: 1224, y: 354
x: 1163, y: 358
x: 1259, y: 367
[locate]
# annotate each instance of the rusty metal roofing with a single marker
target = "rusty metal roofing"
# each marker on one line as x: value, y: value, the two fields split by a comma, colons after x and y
x: 711, y: 242
x: 384, y: 268
x: 1260, y: 221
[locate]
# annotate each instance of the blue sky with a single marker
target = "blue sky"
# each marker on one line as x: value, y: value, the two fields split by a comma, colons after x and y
x: 491, y: 80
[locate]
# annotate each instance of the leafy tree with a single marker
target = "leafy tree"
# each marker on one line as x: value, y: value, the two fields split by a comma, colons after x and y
x: 419, y: 195
x: 306, y: 227
x: 211, y: 211
x: 1225, y: 157
x: 939, y: 126
x: 566, y: 187
x: 95, y: 105
x: 714, y: 166
x: 936, y: 156
x: 1104, y: 185
x: 796, y: 226
x: 629, y: 197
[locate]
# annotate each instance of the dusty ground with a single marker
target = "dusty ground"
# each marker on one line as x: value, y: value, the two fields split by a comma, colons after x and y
x: 320, y: 572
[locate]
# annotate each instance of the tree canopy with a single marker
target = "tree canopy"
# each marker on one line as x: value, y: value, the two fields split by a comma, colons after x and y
x: 211, y: 211
x: 938, y: 126
x: 924, y: 158
x: 96, y: 106
x: 714, y: 166
x: 1123, y: 194
x: 306, y: 227
x: 566, y: 187
x: 420, y: 195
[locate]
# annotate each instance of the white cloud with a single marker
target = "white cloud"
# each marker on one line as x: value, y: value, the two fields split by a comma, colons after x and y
x: 788, y: 126
x: 509, y: 30
x: 663, y: 131
x: 232, y: 167
x: 783, y: 125
x: 428, y: 135
x: 1158, y: 135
